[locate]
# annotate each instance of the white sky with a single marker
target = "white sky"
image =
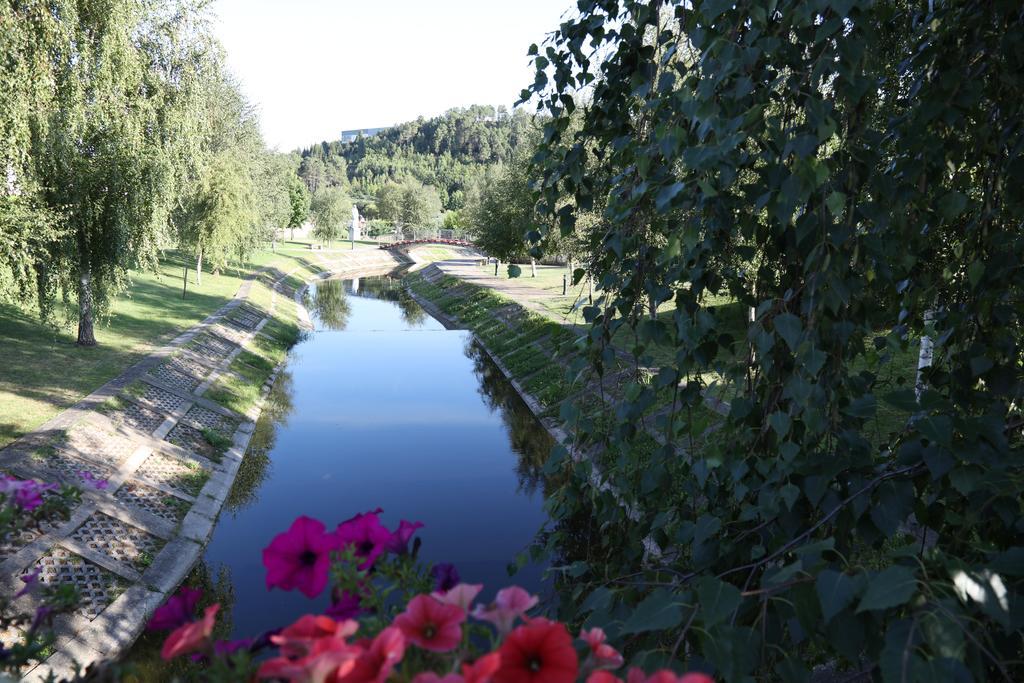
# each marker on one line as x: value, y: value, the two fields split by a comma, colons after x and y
x: 317, y: 67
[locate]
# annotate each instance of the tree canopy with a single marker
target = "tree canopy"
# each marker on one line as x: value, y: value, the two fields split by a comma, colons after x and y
x: 122, y: 133
x: 839, y: 170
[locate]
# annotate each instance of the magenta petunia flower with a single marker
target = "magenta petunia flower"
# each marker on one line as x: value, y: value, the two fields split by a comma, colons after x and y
x: 26, y: 493
x: 31, y: 580
x: 91, y: 479
x: 399, y: 543
x: 300, y: 557
x: 446, y: 577
x: 178, y: 610
x: 345, y: 605
x: 366, y: 534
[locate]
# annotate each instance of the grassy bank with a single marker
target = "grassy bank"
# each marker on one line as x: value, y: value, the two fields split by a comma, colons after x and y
x: 45, y: 371
x: 542, y: 356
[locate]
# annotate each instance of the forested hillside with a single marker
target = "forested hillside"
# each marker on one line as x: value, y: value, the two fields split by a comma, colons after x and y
x: 446, y: 152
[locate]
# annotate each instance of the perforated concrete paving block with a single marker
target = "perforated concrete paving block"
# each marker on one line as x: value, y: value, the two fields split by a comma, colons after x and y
x: 97, y: 587
x: 119, y: 540
x: 89, y: 442
x: 152, y: 500
x: 161, y: 399
x: 170, y: 374
x: 138, y: 417
x: 184, y: 476
x: 211, y: 419
x: 192, y: 439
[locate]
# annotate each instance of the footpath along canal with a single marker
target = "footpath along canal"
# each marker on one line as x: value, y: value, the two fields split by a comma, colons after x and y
x: 381, y: 406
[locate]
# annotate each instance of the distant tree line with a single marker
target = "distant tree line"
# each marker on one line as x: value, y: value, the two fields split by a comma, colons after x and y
x: 447, y: 152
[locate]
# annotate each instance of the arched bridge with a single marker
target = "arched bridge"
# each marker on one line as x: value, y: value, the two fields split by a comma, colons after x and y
x: 428, y: 240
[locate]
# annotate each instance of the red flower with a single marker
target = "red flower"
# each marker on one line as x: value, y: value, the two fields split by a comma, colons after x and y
x: 431, y: 624
x: 190, y: 637
x: 603, y: 677
x: 300, y: 557
x: 298, y: 639
x: 483, y: 669
x: 380, y: 656
x: 540, y: 651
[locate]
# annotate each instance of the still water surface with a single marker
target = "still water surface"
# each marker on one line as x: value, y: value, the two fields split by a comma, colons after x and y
x: 382, y: 407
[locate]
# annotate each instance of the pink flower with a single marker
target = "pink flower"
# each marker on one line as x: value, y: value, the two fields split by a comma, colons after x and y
x: 603, y: 677
x: 298, y: 639
x: 327, y: 659
x: 399, y: 543
x: 431, y: 624
x: 300, y: 557
x: 190, y: 637
x: 461, y: 595
x: 179, y: 609
x: 366, y: 534
x: 510, y: 604
x: 602, y: 655
x: 374, y: 665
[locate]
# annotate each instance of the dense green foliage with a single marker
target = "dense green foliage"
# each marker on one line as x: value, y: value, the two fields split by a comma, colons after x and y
x: 445, y: 152
x: 840, y: 169
x: 408, y: 203
x: 122, y: 134
x: 331, y: 211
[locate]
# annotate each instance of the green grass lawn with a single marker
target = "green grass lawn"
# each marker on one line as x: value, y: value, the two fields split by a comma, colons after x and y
x: 44, y: 372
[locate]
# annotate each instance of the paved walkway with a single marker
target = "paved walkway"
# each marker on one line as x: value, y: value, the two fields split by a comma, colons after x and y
x: 469, y: 270
x: 127, y: 545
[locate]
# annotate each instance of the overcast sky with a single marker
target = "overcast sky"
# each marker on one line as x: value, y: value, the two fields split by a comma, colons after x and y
x: 317, y: 67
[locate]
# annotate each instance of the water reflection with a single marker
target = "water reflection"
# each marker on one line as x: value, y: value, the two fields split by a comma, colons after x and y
x: 255, y: 466
x: 528, y: 439
x: 330, y: 304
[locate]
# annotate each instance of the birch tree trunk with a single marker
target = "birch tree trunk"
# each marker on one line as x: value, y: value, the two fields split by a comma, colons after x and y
x: 199, y: 267
x: 86, y: 315
x: 924, y: 355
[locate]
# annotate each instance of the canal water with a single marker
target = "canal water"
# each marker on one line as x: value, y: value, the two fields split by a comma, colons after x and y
x: 380, y: 406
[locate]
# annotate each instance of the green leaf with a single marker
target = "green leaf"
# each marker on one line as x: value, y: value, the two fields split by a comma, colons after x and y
x: 889, y: 588
x: 659, y: 611
x: 836, y: 202
x: 975, y: 272
x: 952, y: 205
x: 788, y: 327
x: 514, y: 270
x: 780, y: 422
x: 663, y: 201
x: 836, y: 592
x: 718, y: 600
